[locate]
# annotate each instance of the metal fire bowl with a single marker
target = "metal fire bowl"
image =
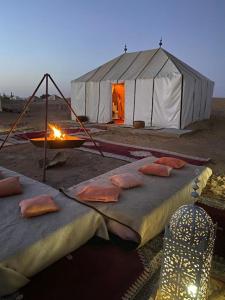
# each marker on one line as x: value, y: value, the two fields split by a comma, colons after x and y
x: 58, y: 144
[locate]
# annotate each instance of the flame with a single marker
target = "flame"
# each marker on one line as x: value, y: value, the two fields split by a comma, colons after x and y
x: 56, y: 133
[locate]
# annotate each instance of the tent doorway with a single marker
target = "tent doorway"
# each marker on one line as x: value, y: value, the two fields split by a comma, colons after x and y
x: 118, y: 103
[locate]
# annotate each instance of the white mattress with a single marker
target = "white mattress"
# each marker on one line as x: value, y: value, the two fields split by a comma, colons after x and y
x: 30, y: 245
x: 141, y: 213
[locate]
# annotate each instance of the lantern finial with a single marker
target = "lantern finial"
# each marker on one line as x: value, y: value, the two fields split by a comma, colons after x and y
x: 160, y: 43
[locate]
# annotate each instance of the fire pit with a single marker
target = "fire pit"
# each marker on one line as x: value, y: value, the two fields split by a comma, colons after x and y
x: 58, y: 140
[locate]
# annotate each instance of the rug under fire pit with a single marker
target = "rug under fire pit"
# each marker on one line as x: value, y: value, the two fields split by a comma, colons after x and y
x: 112, y: 149
x: 131, y: 152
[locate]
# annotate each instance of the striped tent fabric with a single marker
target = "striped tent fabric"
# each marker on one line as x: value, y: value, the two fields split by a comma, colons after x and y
x: 159, y: 89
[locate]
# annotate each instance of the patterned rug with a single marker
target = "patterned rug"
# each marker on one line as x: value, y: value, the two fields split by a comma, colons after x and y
x: 216, y: 190
x: 217, y: 280
x: 103, y: 270
x: 131, y: 152
x: 218, y: 217
x: 148, y: 290
x: 98, y: 270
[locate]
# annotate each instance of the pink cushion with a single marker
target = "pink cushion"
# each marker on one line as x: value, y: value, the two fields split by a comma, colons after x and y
x: 127, y: 180
x: 99, y: 192
x: 155, y: 169
x: 38, y: 205
x: 172, y: 162
x: 10, y: 186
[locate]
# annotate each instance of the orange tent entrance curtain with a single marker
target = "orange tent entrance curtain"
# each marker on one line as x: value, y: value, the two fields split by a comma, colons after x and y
x: 118, y: 102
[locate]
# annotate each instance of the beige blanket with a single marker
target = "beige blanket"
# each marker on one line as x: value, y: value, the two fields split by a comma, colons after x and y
x: 30, y: 245
x: 147, y: 209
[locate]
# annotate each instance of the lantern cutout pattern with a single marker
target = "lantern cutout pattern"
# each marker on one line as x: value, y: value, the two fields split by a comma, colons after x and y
x: 188, y: 248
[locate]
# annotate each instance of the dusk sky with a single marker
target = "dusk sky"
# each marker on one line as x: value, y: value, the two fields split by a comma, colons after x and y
x: 67, y: 38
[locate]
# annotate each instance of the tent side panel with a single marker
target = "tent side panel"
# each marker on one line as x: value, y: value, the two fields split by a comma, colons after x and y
x: 188, y: 100
x: 129, y: 101
x: 209, y: 99
x: 196, y: 99
x: 203, y: 99
x: 78, y: 98
x: 143, y: 103
x: 92, y: 97
x: 198, y: 93
x: 167, y: 101
x: 105, y: 102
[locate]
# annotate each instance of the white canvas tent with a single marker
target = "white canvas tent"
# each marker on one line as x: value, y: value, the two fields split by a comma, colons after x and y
x: 158, y: 89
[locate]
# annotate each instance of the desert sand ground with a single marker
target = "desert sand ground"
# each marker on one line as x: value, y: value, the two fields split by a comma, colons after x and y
x: 207, y: 141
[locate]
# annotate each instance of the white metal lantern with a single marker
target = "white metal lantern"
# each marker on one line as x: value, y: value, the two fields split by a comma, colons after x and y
x: 188, y: 249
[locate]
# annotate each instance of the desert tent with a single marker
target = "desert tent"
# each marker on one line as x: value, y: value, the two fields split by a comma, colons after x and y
x: 152, y: 86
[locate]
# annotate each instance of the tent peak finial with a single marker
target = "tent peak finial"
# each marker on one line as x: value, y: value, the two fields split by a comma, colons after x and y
x: 160, y: 43
x: 125, y: 48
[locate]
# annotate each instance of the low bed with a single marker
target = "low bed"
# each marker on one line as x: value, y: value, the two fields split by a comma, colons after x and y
x: 142, y: 212
x: 29, y: 245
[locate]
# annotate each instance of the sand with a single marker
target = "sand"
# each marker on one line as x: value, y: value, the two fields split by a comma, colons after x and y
x: 80, y: 165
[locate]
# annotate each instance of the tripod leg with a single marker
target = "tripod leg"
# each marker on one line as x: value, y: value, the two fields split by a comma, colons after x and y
x: 46, y: 130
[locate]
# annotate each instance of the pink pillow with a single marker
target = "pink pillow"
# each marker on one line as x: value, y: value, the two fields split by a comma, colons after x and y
x: 38, y: 205
x: 155, y: 169
x: 10, y: 186
x: 127, y: 180
x: 172, y: 162
x: 99, y: 192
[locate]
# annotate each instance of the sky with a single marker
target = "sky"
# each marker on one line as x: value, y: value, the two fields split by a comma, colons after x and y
x: 67, y: 38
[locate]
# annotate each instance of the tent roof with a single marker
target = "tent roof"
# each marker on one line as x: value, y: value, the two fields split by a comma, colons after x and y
x: 142, y: 64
